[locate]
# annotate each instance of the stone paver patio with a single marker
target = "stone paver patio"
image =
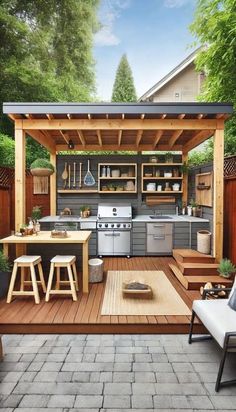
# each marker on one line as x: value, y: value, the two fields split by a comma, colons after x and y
x: 93, y: 373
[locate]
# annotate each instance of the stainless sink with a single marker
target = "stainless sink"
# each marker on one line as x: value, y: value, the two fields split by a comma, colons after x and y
x: 160, y: 217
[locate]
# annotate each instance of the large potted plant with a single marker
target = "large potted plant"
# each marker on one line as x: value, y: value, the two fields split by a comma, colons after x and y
x: 42, y: 167
x: 5, y: 274
x: 226, y: 268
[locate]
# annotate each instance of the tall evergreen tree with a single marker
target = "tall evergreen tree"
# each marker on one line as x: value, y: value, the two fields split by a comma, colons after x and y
x: 123, y: 88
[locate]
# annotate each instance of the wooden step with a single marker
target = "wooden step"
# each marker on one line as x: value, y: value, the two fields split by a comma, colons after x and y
x: 198, y: 269
x: 192, y: 256
x: 195, y: 282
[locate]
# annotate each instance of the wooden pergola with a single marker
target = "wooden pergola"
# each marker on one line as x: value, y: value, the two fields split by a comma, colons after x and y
x: 118, y: 126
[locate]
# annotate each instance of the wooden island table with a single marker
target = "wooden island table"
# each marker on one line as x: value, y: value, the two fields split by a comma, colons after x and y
x: 44, y: 237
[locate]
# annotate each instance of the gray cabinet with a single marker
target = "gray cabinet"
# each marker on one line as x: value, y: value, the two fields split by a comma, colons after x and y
x: 159, y: 238
x: 181, y: 238
x: 139, y: 239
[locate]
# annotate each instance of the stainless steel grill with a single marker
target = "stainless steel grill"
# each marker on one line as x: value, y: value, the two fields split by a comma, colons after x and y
x: 114, y: 223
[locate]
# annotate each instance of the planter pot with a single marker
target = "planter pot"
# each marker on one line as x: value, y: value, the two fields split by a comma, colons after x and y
x: 5, y: 278
x: 41, y: 172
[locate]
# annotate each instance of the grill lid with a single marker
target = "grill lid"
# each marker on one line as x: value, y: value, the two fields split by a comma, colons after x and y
x: 114, y: 211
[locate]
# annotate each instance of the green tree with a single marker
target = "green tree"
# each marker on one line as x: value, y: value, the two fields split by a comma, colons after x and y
x: 123, y: 88
x: 214, y: 26
x: 46, y: 52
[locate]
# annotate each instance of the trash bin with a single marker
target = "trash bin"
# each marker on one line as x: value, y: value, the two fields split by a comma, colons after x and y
x: 204, y: 241
x: 95, y: 270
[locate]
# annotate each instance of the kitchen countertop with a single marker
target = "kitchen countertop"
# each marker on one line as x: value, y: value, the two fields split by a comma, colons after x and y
x: 138, y: 218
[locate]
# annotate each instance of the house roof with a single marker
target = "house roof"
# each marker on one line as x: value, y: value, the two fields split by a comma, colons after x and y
x: 119, y: 126
x: 173, y: 73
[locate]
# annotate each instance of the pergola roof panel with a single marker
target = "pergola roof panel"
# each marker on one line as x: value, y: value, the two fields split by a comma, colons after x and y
x: 143, y: 126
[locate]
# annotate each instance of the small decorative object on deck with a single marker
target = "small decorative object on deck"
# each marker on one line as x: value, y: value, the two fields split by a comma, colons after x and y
x: 136, y: 289
x: 41, y: 167
x: 95, y: 270
x: 204, y: 241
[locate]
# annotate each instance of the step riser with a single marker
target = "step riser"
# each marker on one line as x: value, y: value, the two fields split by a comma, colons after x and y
x: 198, y: 271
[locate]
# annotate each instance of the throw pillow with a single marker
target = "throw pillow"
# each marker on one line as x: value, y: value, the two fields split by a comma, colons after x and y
x: 232, y: 300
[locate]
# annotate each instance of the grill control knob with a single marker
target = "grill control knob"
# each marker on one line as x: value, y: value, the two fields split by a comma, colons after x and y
x: 124, y: 225
x: 118, y: 225
x: 106, y: 224
x: 112, y: 225
x: 100, y: 225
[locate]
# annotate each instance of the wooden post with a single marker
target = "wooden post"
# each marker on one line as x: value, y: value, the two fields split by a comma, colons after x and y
x: 19, y: 178
x: 53, y: 184
x: 218, y: 168
x: 185, y: 180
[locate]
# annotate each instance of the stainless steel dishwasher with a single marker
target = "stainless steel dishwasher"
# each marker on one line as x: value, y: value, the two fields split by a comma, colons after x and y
x: 159, y: 238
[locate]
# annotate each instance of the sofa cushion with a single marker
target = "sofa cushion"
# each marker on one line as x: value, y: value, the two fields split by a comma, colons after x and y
x: 233, y: 288
x: 232, y: 300
x: 217, y: 317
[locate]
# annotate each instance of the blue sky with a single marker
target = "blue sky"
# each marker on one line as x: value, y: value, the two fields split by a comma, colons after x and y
x: 153, y: 33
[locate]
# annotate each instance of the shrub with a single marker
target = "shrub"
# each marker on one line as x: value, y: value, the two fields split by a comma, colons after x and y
x: 4, y: 263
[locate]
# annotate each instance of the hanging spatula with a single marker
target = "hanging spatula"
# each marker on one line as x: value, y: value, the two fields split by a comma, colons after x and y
x: 64, y: 175
x: 89, y: 179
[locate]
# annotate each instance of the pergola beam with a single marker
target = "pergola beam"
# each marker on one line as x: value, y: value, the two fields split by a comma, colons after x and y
x: 119, y: 137
x: 218, y: 167
x: 117, y: 124
x: 133, y: 147
x: 197, y: 139
x: 99, y: 137
x: 20, y: 165
x: 175, y: 137
x: 139, y: 137
x: 65, y: 136
x: 158, y: 135
x: 45, y: 141
x: 81, y: 137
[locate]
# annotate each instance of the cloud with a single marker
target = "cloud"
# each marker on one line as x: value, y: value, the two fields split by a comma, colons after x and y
x: 110, y: 11
x: 171, y: 4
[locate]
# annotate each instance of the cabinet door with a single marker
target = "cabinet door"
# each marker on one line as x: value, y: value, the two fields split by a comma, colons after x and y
x: 159, y: 244
x: 122, y: 243
x: 105, y: 242
x: 159, y: 228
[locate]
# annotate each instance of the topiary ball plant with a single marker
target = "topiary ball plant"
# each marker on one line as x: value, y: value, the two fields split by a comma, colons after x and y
x: 226, y: 268
x: 42, y: 167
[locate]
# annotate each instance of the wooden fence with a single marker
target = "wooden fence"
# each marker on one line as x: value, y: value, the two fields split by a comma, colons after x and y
x: 7, y: 200
x: 230, y: 208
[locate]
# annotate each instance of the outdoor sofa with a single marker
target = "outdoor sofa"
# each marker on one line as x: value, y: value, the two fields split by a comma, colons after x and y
x: 220, y: 321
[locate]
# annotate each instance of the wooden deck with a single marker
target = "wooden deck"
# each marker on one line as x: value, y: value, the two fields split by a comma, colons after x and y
x: 61, y: 315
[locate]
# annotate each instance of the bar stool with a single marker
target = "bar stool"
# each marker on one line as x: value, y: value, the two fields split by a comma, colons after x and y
x: 57, y: 263
x: 30, y: 262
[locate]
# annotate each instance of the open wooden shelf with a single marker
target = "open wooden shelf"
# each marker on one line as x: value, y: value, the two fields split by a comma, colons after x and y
x: 152, y: 168
x: 163, y: 191
x: 119, y: 180
x: 77, y: 191
x: 162, y: 178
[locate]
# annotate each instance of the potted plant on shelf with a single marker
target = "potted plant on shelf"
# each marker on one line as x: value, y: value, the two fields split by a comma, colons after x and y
x: 5, y: 274
x: 111, y: 187
x: 85, y: 211
x: 42, y: 167
x: 226, y: 268
x: 169, y: 157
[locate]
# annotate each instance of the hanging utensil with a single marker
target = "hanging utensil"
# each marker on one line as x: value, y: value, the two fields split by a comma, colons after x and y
x: 89, y: 179
x: 64, y: 175
x: 80, y: 175
x: 69, y: 176
x: 74, y: 183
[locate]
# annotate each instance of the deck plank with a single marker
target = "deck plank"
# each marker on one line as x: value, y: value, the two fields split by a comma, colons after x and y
x: 62, y: 315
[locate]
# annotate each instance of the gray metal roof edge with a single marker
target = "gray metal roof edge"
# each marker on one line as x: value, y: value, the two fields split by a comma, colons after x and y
x: 117, y: 108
